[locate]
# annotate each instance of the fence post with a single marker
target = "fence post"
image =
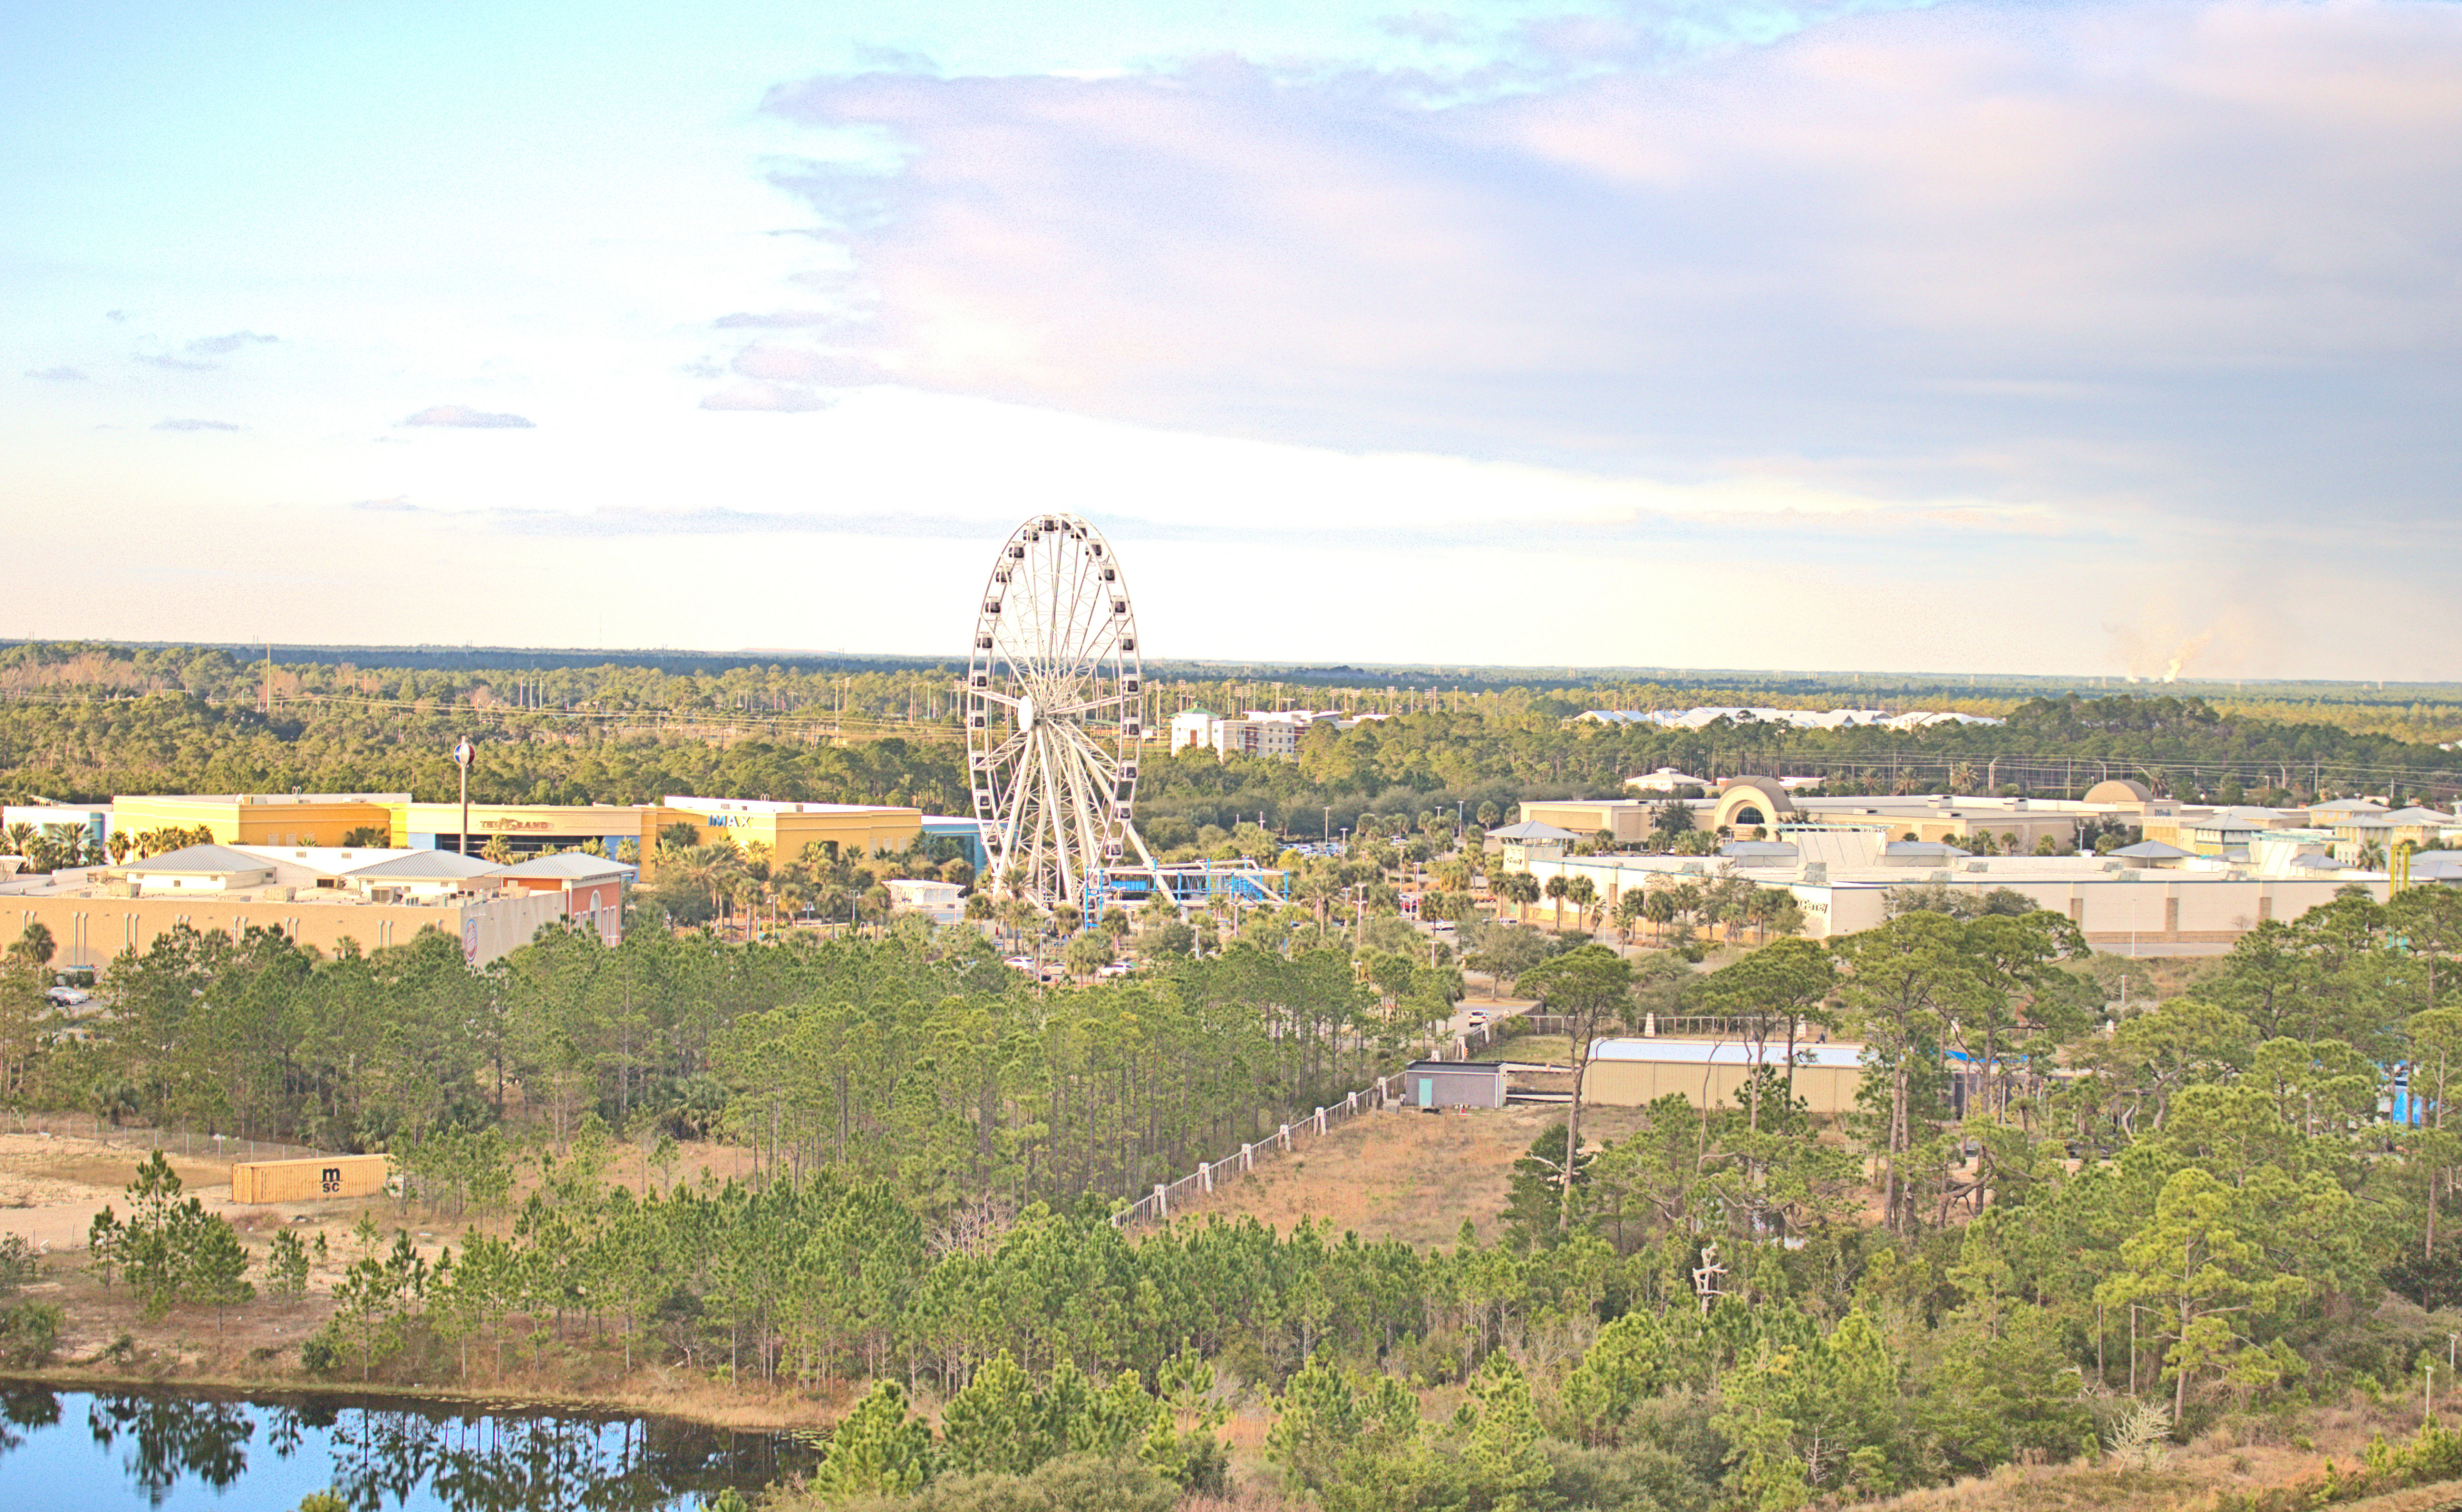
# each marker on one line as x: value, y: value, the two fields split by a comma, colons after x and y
x: 1247, y: 1157
x: 1320, y: 1122
x: 1162, y: 1202
x: 1204, y: 1176
x: 1650, y: 1026
x: 1285, y: 1138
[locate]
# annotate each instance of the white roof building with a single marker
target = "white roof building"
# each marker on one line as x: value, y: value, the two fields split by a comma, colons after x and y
x: 942, y: 902
x: 1667, y: 779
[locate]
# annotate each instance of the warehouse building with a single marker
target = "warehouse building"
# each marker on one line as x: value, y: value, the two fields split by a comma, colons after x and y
x: 1709, y: 1074
x: 326, y: 896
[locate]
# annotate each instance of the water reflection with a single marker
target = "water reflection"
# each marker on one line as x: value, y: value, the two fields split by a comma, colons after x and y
x: 382, y: 1453
x: 168, y: 1438
x: 22, y: 1407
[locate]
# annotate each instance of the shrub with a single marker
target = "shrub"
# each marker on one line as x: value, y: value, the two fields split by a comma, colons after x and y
x: 29, y: 1332
x: 319, y: 1355
x: 1074, y: 1483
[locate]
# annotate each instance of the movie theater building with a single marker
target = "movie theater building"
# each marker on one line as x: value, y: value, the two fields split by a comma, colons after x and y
x: 529, y: 829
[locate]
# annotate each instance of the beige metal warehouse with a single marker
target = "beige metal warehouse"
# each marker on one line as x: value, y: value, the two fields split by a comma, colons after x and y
x: 1629, y: 1074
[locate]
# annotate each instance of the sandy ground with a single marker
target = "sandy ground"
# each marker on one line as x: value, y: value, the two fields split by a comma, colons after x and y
x: 1409, y: 1176
x: 51, y: 1186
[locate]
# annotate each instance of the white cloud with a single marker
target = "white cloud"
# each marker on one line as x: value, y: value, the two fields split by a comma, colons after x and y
x: 2200, y: 261
x: 463, y: 416
x: 217, y: 346
x: 784, y: 399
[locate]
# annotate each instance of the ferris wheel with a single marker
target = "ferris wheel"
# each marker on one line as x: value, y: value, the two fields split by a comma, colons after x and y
x: 1053, y: 703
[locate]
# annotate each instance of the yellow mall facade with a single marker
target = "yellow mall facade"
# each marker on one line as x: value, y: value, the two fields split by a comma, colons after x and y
x: 621, y: 831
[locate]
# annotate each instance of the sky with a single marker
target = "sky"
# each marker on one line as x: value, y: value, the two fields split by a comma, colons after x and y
x: 2051, y: 337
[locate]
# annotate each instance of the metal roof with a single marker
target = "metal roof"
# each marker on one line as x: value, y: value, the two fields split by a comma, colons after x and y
x: 202, y: 860
x: 1531, y: 829
x: 570, y: 865
x: 429, y: 866
x: 1724, y: 1052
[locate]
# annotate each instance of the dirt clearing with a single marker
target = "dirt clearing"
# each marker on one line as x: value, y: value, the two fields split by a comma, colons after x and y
x: 1409, y: 1176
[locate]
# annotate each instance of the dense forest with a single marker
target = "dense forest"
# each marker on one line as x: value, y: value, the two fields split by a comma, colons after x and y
x: 938, y: 1068
x: 2051, y: 1226
x: 83, y: 723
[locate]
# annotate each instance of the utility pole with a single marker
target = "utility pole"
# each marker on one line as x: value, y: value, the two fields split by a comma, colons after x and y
x: 461, y: 754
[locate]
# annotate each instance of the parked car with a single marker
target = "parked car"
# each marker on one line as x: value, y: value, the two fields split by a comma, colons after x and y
x: 67, y: 996
x: 1117, y: 968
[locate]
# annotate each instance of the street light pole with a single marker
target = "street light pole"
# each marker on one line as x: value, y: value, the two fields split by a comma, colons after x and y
x: 461, y: 754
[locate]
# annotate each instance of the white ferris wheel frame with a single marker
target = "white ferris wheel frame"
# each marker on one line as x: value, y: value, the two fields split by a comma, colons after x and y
x: 1053, y: 704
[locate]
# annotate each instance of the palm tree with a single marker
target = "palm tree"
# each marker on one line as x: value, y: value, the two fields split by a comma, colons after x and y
x: 1629, y: 908
x: 118, y: 846
x: 18, y: 836
x: 497, y: 851
x: 1556, y: 889
x: 1521, y: 890
x: 744, y: 890
x: 1659, y: 906
x: 1582, y: 891
x: 1087, y: 953
x: 1687, y: 898
x: 1018, y: 916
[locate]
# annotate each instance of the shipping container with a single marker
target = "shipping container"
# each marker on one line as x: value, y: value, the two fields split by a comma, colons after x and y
x: 310, y: 1179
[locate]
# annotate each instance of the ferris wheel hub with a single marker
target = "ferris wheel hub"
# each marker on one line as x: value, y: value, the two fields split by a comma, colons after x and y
x: 1024, y: 713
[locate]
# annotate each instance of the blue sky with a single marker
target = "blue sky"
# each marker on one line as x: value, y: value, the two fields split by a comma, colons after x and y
x: 2034, y: 337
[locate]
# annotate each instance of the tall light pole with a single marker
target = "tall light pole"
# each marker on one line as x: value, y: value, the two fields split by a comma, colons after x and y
x: 461, y: 754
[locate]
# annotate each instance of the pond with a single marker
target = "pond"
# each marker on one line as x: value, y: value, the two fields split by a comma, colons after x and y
x: 75, y: 1451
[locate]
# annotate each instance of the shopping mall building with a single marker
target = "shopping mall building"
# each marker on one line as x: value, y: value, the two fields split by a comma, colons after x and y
x: 527, y: 830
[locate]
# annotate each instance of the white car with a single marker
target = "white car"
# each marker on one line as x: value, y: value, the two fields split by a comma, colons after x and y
x: 1117, y: 968
x: 68, y: 997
